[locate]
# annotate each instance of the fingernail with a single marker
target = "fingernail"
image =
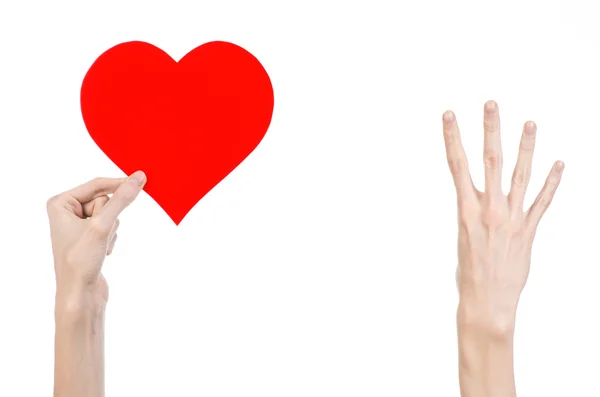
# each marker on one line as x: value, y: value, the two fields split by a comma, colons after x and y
x: 530, y: 128
x: 448, y: 116
x: 138, y: 177
x: 490, y: 107
x: 559, y: 166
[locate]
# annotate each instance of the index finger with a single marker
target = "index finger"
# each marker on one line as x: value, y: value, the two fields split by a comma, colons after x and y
x: 95, y: 188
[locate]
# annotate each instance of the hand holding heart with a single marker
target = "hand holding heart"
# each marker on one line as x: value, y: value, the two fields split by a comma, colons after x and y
x: 83, y: 227
x: 187, y: 124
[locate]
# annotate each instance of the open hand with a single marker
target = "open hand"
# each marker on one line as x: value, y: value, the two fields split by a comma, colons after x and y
x: 495, y: 234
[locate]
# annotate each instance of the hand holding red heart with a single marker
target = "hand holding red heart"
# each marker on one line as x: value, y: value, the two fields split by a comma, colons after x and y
x: 83, y: 227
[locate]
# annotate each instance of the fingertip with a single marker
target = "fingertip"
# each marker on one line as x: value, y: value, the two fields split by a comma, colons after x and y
x: 448, y: 116
x: 490, y: 107
x: 138, y: 178
x: 559, y: 166
x: 530, y: 127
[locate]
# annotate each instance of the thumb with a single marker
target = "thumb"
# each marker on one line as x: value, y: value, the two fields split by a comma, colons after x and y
x: 125, y: 194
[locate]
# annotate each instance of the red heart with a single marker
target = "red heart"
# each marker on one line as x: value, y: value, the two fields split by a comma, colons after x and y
x: 186, y: 124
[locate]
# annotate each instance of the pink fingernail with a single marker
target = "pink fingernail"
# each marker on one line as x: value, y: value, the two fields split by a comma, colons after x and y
x: 449, y: 116
x: 559, y: 166
x: 530, y: 128
x: 490, y: 107
x: 138, y: 177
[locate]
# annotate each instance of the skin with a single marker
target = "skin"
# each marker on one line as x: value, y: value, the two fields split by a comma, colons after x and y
x: 495, y: 239
x: 83, y: 228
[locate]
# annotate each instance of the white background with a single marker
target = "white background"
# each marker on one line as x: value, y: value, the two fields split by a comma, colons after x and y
x: 324, y: 264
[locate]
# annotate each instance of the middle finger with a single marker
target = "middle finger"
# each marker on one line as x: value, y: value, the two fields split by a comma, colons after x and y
x: 492, y: 149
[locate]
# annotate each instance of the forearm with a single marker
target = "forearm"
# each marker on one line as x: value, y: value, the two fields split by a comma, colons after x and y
x: 485, y: 354
x: 79, y: 346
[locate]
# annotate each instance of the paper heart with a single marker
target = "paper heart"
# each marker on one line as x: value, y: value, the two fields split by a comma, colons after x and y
x: 186, y: 124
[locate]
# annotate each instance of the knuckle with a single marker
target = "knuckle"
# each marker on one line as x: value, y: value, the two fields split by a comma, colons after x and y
x: 491, y: 219
x: 126, y: 192
x: 521, y: 178
x: 527, y: 144
x: 456, y: 166
x: 51, y: 202
x: 494, y: 215
x: 491, y: 160
x: 552, y: 183
x: 57, y: 201
x: 100, y: 202
x: 544, y: 201
x: 97, y: 183
x: 94, y: 183
x: 98, y: 228
x: 491, y: 127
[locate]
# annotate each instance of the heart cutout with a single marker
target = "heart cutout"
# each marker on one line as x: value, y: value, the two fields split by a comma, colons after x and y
x: 186, y: 124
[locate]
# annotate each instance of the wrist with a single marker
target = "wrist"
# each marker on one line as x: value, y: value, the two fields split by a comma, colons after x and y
x: 75, y: 300
x: 485, y: 348
x: 485, y: 361
x: 485, y: 320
